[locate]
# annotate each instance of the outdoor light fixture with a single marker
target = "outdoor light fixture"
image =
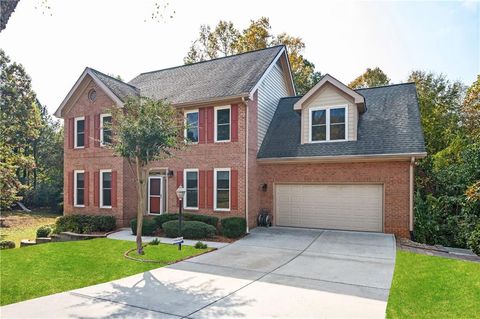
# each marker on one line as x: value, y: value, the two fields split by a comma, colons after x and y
x: 169, y: 173
x: 264, y: 187
x: 180, y: 194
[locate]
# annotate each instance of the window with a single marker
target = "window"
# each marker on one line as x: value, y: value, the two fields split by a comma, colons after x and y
x: 92, y: 95
x: 191, y: 185
x: 105, y: 188
x: 222, y: 189
x: 328, y: 124
x: 79, y: 132
x: 79, y: 190
x: 222, y: 124
x: 191, y: 130
x: 105, y: 129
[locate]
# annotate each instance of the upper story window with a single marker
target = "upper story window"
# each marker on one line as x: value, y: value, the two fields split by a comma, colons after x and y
x: 105, y: 188
x: 191, y: 185
x: 79, y: 132
x: 328, y: 124
x: 92, y: 95
x: 105, y: 129
x: 79, y: 190
x: 191, y: 130
x: 222, y: 189
x: 222, y: 124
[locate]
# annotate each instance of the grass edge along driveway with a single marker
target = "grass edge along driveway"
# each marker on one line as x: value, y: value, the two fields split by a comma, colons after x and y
x: 46, y: 269
x: 434, y: 287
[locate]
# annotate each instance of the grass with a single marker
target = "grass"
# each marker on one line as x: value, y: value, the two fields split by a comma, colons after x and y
x: 434, y: 287
x: 45, y: 269
x: 24, y: 225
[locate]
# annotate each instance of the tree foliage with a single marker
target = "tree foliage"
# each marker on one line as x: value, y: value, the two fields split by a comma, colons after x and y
x: 370, y: 78
x: 471, y: 110
x: 145, y: 130
x: 225, y: 39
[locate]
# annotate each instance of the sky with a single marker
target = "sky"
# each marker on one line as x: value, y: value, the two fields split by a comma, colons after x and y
x: 342, y: 38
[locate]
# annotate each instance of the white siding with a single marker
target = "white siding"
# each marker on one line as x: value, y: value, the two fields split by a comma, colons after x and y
x: 270, y: 91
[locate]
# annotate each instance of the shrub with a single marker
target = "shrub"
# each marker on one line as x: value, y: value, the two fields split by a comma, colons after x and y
x: 148, y: 227
x: 160, y: 219
x: 43, y: 231
x: 190, y: 229
x: 474, y: 240
x: 200, y: 245
x: 154, y: 242
x: 84, y: 223
x: 234, y: 227
x: 7, y: 244
x: 211, y: 220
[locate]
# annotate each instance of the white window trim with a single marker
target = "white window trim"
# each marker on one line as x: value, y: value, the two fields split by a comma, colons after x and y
x: 101, y: 187
x: 198, y: 126
x: 75, y: 132
x: 327, y: 122
x: 216, y: 170
x: 229, y: 121
x: 162, y: 184
x: 75, y: 172
x: 185, y: 185
x: 102, y: 116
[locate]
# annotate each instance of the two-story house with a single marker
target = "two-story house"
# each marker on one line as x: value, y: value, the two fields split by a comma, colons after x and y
x: 335, y: 158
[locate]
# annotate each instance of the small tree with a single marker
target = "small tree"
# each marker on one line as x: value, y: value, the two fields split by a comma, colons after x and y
x: 145, y: 130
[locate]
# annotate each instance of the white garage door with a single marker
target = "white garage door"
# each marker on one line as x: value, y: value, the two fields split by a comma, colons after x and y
x: 348, y: 207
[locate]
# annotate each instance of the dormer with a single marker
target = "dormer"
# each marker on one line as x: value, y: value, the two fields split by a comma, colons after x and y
x: 329, y: 112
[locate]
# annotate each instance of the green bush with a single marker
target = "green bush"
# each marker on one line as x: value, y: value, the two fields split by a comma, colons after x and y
x: 154, y: 242
x: 43, y: 231
x: 83, y: 224
x: 160, y: 219
x: 7, y: 244
x: 190, y: 229
x: 474, y: 240
x: 234, y: 227
x: 211, y: 220
x: 149, y: 227
x: 200, y: 245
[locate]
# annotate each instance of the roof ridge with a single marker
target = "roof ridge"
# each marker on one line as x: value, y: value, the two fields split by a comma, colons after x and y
x: 211, y: 60
x: 111, y: 77
x: 383, y: 86
x: 291, y: 97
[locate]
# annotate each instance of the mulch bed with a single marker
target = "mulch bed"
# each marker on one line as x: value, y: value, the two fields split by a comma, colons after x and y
x: 436, y: 250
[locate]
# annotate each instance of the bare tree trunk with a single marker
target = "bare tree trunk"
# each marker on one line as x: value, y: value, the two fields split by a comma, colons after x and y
x: 140, y: 205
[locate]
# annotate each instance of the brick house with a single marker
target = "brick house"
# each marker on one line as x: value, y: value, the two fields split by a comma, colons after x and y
x: 335, y: 158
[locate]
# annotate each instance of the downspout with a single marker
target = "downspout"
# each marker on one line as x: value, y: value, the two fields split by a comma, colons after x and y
x: 246, y: 163
x: 412, y: 163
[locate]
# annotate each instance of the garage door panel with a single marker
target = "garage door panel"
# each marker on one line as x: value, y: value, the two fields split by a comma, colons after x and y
x: 350, y: 207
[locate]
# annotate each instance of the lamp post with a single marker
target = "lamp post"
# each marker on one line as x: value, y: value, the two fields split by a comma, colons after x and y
x: 180, y: 194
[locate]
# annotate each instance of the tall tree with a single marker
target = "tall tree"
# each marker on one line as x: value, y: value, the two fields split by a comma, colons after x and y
x: 20, y: 125
x: 370, y: 78
x: 145, y: 130
x: 471, y: 110
x: 225, y: 40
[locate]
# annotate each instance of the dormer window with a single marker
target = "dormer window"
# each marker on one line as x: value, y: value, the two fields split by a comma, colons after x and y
x: 328, y: 124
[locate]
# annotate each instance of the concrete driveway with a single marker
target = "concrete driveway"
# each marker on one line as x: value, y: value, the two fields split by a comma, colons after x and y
x: 271, y: 273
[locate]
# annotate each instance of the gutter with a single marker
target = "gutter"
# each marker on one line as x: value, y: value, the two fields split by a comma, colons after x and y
x: 246, y: 163
x: 224, y: 99
x: 341, y: 158
x: 412, y: 164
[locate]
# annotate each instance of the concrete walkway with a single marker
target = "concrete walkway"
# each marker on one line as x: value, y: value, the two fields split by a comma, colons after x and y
x: 126, y: 234
x: 272, y: 273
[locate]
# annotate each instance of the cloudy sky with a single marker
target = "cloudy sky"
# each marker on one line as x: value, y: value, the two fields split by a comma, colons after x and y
x: 342, y: 38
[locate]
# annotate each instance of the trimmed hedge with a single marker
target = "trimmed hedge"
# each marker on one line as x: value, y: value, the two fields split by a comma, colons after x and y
x: 43, y: 231
x: 160, y: 219
x: 234, y: 227
x: 474, y: 240
x: 149, y: 227
x: 190, y: 229
x: 83, y: 224
x: 7, y: 244
x: 211, y: 220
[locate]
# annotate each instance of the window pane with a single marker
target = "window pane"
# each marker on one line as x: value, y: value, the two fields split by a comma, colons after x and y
x: 319, y: 117
x: 155, y: 186
x: 106, y: 121
x: 80, y: 180
x: 319, y: 133
x: 80, y: 139
x: 192, y: 127
x: 192, y: 198
x: 107, y: 197
x: 337, y: 115
x: 191, y: 179
x: 192, y: 134
x: 80, y: 196
x: 223, y: 116
x: 223, y: 179
x: 107, y: 180
x: 222, y: 199
x: 80, y: 126
x: 107, y: 136
x: 337, y: 131
x: 223, y: 132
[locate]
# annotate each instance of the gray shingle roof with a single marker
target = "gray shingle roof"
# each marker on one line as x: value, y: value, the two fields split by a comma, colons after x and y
x: 119, y: 88
x: 391, y: 125
x: 229, y: 76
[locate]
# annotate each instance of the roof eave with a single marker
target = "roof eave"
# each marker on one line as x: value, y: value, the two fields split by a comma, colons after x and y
x: 217, y: 101
x: 343, y: 158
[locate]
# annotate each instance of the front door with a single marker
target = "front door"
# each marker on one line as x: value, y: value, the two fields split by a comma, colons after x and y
x: 155, y: 198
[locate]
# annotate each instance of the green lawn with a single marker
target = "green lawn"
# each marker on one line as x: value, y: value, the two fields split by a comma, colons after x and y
x: 434, y: 287
x: 45, y: 269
